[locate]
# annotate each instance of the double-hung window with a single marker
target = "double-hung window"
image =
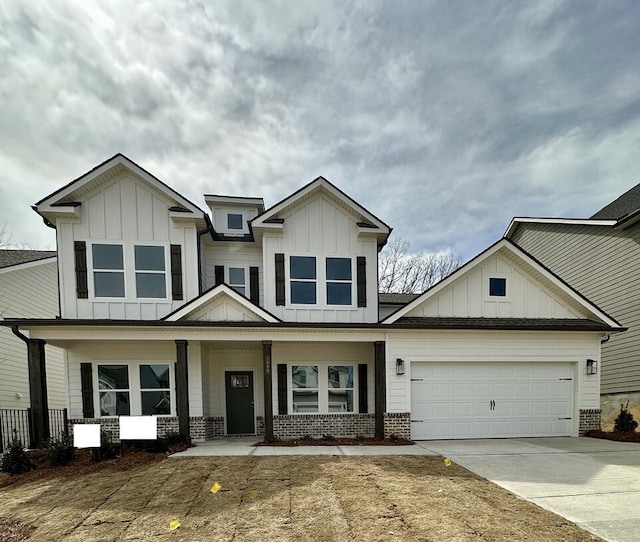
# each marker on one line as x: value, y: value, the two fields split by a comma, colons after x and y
x: 304, y: 383
x: 339, y: 281
x: 113, y: 390
x: 303, y: 279
x: 340, y: 388
x: 155, y: 390
x: 151, y: 279
x: 237, y: 279
x: 108, y: 270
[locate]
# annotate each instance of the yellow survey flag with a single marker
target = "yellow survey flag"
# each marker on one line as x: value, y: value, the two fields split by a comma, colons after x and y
x: 174, y: 524
x: 447, y: 462
x: 216, y: 487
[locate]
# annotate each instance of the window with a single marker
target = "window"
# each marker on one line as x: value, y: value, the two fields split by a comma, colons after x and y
x: 237, y: 279
x: 113, y: 388
x: 340, y: 388
x: 234, y: 221
x: 155, y: 390
x: 304, y: 383
x: 497, y: 287
x: 339, y: 281
x: 302, y: 272
x: 108, y: 270
x: 150, y: 271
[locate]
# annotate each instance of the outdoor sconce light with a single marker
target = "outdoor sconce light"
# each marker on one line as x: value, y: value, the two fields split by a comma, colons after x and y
x: 399, y: 366
x: 592, y: 366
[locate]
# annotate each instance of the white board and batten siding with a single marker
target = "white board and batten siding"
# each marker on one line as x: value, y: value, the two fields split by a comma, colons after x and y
x: 602, y: 263
x: 28, y: 291
x: 134, y: 352
x: 130, y: 212
x: 320, y: 227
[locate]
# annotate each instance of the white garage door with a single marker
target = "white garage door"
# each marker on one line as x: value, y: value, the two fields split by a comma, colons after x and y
x: 485, y: 400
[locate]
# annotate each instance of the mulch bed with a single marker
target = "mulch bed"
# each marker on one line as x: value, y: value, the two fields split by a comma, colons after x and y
x: 335, y: 441
x: 631, y: 436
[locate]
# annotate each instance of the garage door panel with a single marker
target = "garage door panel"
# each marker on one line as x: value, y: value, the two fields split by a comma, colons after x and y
x: 483, y: 400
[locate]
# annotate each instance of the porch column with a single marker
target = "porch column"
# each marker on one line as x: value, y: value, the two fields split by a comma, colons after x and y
x: 380, y: 387
x: 268, y: 391
x: 182, y: 388
x: 38, y: 392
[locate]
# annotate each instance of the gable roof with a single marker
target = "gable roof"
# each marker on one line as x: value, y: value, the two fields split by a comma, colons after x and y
x: 517, y: 220
x: 368, y: 221
x: 505, y: 244
x: 12, y: 257
x: 624, y: 205
x: 218, y: 292
x: 63, y: 201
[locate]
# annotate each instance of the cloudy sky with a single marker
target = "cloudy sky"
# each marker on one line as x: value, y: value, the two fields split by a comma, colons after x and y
x: 443, y: 118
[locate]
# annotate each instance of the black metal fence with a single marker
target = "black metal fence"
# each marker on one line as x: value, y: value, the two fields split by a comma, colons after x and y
x: 20, y: 422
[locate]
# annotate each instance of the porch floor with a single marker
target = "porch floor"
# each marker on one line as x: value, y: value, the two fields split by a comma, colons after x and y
x: 245, y: 446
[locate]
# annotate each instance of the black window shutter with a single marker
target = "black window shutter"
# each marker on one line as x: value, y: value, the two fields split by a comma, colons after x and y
x: 363, y: 393
x: 254, y: 285
x: 279, y: 279
x: 282, y: 389
x: 80, y: 249
x: 86, y: 381
x: 362, y: 281
x: 176, y: 272
x: 219, y: 270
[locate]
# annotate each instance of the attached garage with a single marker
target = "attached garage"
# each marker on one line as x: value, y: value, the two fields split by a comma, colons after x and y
x: 500, y: 348
x: 491, y: 400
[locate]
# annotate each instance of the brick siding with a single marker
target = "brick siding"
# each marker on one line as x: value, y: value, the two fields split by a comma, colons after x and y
x: 337, y: 425
x: 589, y: 419
x: 397, y: 424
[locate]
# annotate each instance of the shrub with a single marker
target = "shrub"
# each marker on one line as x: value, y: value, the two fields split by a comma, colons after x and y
x: 15, y: 459
x: 328, y: 437
x: 108, y: 449
x: 60, y: 450
x: 624, y: 422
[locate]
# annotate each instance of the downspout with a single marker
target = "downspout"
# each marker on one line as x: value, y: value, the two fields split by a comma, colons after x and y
x: 19, y: 334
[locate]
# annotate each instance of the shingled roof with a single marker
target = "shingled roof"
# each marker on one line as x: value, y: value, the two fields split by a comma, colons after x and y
x: 621, y: 207
x: 16, y: 257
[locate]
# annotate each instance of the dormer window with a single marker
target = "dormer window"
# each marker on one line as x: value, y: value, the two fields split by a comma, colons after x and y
x: 235, y: 221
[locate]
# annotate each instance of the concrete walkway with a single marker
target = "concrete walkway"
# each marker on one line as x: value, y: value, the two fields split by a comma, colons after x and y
x: 594, y: 483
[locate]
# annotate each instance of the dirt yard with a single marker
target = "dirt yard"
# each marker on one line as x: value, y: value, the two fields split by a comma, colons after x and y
x: 271, y: 498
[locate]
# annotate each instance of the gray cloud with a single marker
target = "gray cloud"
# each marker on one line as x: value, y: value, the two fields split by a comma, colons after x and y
x: 444, y: 119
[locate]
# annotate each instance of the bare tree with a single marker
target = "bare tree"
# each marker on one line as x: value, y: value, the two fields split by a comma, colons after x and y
x: 402, y: 272
x: 7, y: 242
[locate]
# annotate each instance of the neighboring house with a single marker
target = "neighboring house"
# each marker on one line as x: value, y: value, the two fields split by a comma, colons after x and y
x: 250, y: 320
x: 28, y: 289
x: 600, y: 257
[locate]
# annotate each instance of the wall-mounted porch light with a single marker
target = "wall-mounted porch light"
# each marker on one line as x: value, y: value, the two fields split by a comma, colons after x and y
x: 592, y: 367
x: 399, y: 366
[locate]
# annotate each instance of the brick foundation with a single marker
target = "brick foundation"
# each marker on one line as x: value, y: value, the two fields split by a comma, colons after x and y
x: 589, y: 419
x: 317, y: 425
x: 200, y: 428
x: 397, y: 424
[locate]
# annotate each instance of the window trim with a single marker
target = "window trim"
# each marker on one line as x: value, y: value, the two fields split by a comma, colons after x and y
x: 506, y: 295
x: 135, y: 395
x: 227, y: 278
x: 94, y: 270
x: 323, y: 385
x: 320, y: 280
x: 129, y: 271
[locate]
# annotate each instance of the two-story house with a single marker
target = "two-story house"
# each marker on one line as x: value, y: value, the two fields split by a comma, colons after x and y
x: 242, y: 319
x: 599, y: 256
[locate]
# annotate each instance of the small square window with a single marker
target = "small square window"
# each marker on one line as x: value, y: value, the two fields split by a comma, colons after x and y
x: 497, y: 287
x: 234, y: 221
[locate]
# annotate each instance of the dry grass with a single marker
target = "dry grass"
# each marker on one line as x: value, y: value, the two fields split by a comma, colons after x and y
x: 275, y: 498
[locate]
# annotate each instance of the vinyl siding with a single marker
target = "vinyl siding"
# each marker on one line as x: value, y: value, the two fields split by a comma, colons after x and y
x: 28, y: 292
x: 602, y: 264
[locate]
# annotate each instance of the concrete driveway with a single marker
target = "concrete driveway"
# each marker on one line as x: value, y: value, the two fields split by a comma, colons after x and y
x: 592, y: 482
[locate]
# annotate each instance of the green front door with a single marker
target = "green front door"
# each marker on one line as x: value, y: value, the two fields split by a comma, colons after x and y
x: 239, y: 390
